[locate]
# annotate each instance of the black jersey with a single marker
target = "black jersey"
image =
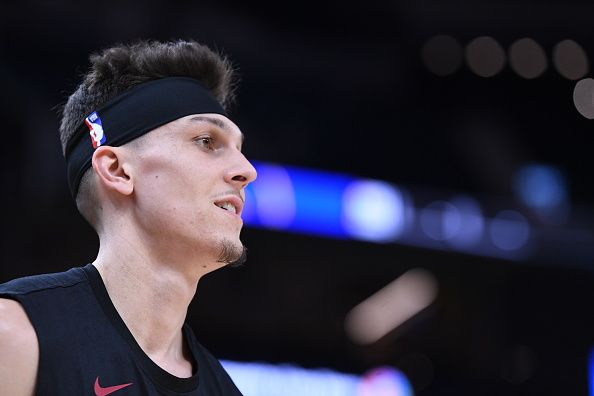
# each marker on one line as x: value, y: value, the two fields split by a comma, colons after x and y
x: 86, y: 349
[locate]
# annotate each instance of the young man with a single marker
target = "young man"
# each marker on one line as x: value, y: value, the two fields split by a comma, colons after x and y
x: 155, y: 166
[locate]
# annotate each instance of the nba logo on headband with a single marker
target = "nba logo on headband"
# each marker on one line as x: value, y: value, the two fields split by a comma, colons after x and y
x: 93, y: 122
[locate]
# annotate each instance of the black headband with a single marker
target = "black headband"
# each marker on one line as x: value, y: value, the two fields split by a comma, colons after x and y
x: 131, y: 115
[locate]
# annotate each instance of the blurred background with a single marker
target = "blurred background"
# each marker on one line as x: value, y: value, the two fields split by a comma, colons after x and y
x: 423, y: 221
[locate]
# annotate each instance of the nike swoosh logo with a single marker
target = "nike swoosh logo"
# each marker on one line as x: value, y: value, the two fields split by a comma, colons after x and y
x: 101, y: 391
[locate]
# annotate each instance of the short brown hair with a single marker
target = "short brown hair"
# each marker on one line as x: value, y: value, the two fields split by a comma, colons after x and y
x: 120, y: 68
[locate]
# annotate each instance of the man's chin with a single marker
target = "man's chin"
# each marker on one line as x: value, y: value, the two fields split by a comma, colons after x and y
x: 232, y: 254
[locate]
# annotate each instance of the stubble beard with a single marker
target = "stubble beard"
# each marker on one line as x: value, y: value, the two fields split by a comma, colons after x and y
x: 232, y: 254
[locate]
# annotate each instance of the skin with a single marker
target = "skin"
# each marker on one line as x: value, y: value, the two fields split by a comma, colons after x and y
x: 159, y: 231
x: 19, y: 353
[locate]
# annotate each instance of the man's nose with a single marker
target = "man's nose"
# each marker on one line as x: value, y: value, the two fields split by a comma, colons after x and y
x: 243, y: 172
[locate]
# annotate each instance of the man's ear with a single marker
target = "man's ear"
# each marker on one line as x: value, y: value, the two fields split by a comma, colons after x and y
x: 112, y: 171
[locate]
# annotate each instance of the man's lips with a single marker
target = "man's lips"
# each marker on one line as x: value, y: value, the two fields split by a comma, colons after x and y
x: 234, y: 200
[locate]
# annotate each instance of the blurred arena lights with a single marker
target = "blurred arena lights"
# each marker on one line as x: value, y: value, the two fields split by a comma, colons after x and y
x: 391, y: 306
x: 259, y: 379
x: 509, y: 230
x: 583, y: 97
x: 315, y: 200
x: 461, y: 223
x: 591, y: 372
x: 485, y: 56
x: 442, y: 55
x: 543, y: 188
x: 467, y: 220
x: 325, y: 203
x: 527, y: 58
x: 341, y: 206
x: 433, y: 220
x: 570, y: 60
x: 384, y: 381
x: 276, y: 198
x: 373, y: 210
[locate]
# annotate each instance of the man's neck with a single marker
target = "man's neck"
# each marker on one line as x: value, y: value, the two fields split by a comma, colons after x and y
x: 152, y: 298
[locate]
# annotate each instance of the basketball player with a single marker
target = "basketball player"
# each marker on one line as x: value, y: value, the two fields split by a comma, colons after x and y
x: 155, y: 166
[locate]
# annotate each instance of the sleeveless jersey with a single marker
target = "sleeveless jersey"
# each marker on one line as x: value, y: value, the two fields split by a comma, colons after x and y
x: 85, y: 347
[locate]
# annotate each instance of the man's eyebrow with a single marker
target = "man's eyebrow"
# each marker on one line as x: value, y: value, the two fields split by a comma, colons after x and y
x: 216, y: 122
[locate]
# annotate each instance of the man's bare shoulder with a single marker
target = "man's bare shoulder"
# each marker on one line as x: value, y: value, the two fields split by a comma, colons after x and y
x: 19, y: 350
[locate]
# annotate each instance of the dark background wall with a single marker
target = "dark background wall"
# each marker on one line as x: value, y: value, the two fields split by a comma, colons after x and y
x: 343, y: 87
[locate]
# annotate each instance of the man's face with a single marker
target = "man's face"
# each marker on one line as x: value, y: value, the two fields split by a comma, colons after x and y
x: 189, y: 185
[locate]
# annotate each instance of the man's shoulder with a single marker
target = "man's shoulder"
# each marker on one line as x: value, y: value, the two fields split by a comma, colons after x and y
x: 19, y: 350
x: 15, y: 323
x: 40, y: 282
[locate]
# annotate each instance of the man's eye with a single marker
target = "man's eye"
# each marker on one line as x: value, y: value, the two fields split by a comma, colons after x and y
x: 206, y: 141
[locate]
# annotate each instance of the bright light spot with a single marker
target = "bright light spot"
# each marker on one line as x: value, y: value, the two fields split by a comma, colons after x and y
x: 570, y: 59
x: 540, y: 186
x: 527, y: 58
x: 485, y: 56
x: 440, y: 220
x: 391, y: 306
x: 373, y: 211
x: 275, y: 198
x: 460, y: 222
x: 470, y: 222
x: 257, y: 379
x: 452, y: 221
x: 442, y: 55
x: 544, y: 190
x: 261, y: 379
x: 509, y: 230
x: 385, y: 381
x: 583, y: 97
